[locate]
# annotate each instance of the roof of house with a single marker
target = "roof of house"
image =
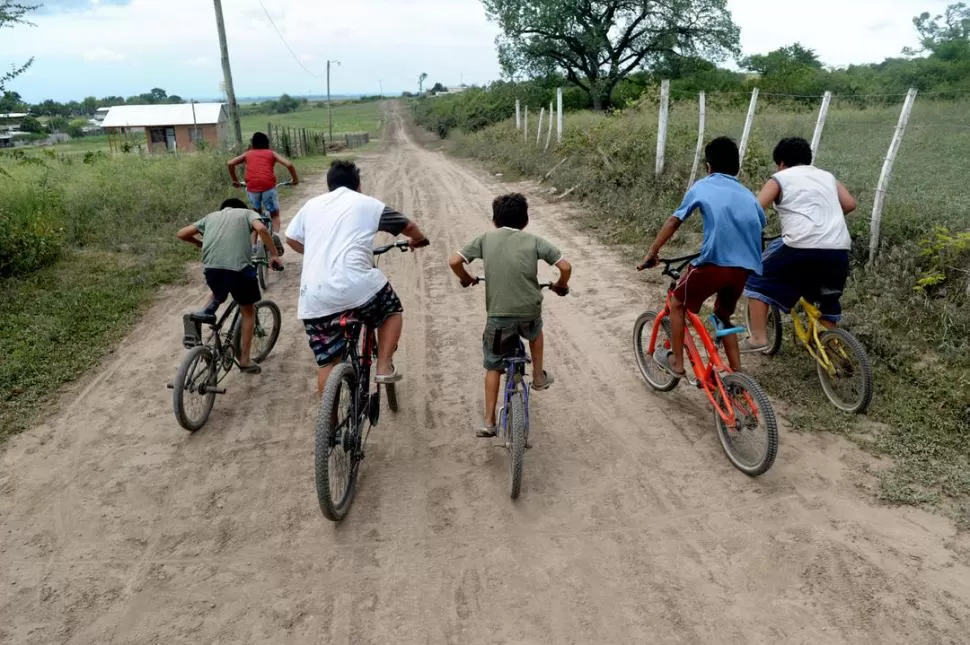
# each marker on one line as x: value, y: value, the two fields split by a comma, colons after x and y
x: 13, y: 115
x: 123, y: 116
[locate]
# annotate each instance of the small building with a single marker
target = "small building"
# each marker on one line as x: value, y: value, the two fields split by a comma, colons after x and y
x: 167, y: 128
x: 10, y: 121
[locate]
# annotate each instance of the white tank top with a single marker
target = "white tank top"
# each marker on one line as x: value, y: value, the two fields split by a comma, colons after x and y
x: 809, y: 209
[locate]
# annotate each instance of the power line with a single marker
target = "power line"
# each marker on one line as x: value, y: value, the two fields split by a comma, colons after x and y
x: 280, y: 34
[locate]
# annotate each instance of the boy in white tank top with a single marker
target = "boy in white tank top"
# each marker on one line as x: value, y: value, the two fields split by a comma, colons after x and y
x: 811, y: 259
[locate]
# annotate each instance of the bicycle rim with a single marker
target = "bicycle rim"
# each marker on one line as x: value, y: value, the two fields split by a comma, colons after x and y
x: 657, y: 377
x: 262, y: 269
x: 751, y: 443
x: 193, y: 397
x: 850, y: 388
x: 337, y: 438
x: 516, y: 440
x: 266, y: 330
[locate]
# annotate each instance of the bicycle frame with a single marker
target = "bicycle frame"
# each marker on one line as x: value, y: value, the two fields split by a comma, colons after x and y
x: 809, y: 335
x: 514, y: 377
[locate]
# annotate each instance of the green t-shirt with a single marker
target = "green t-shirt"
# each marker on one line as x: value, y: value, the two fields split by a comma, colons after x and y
x: 511, y: 270
x: 227, y: 238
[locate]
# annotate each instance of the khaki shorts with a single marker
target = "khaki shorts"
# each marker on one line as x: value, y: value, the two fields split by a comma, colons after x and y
x: 501, y: 338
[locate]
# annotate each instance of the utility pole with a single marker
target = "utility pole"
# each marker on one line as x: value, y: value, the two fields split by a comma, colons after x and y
x: 382, y: 89
x: 329, y: 104
x: 227, y: 75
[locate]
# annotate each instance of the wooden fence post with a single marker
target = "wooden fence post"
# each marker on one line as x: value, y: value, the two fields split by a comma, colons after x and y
x: 269, y: 133
x: 518, y: 115
x: 662, y: 127
x: 701, y: 123
x: 823, y: 113
x: 525, y: 124
x: 558, y: 115
x: 748, y: 122
x: 549, y: 129
x: 887, y: 171
x: 542, y: 112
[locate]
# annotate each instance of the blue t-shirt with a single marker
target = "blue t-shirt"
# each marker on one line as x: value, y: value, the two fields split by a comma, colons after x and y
x: 733, y: 221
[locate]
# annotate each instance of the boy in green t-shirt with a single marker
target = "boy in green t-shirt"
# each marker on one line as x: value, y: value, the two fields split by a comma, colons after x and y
x: 513, y: 298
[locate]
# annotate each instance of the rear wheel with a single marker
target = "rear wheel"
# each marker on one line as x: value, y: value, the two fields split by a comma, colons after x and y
x: 193, y: 388
x: 657, y: 377
x: 751, y: 443
x: 266, y: 331
x: 774, y: 327
x: 850, y: 387
x: 518, y: 429
x: 336, y: 458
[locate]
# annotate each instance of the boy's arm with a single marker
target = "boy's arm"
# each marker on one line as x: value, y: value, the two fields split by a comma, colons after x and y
x: 190, y: 234
x: 554, y: 257
x: 286, y: 163
x: 666, y: 232
x: 846, y: 200
x: 295, y: 234
x: 561, y: 285
x: 232, y: 163
x: 267, y: 238
x: 770, y: 193
x: 457, y: 264
x: 393, y: 222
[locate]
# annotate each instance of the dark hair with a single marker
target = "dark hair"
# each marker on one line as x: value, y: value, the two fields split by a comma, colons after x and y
x: 343, y: 174
x: 793, y: 151
x: 233, y: 202
x: 510, y: 210
x: 722, y: 156
x: 260, y: 141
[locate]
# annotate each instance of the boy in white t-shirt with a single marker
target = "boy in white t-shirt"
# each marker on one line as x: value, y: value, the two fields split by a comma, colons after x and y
x: 811, y: 259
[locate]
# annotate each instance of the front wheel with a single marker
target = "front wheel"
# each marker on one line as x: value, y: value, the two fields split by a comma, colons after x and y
x: 516, y: 439
x: 266, y: 331
x: 658, y: 378
x: 194, y: 387
x: 849, y: 386
x: 262, y: 267
x: 751, y: 441
x: 336, y: 455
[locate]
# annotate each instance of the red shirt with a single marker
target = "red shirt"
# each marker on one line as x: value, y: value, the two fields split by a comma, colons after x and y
x: 260, y: 175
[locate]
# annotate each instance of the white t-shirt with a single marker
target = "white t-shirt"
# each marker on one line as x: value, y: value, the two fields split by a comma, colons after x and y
x: 809, y: 208
x: 337, y: 231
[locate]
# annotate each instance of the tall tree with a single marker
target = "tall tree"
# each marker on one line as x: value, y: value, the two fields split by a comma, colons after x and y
x: 945, y: 36
x: 597, y: 43
x: 14, y: 13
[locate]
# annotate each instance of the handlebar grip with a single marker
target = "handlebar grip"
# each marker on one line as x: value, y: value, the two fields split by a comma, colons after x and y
x: 423, y: 243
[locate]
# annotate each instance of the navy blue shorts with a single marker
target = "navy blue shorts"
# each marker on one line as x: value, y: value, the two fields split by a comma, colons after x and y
x: 241, y: 285
x: 818, y: 275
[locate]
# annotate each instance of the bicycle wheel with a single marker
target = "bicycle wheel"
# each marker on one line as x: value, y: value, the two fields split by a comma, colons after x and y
x: 850, y: 388
x: 262, y: 266
x: 752, y: 443
x: 266, y: 331
x: 516, y: 439
x: 391, y: 390
x: 774, y: 327
x: 658, y: 378
x: 193, y: 388
x: 337, y: 434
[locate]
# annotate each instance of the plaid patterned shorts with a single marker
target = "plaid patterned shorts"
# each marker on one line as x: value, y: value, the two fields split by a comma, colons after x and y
x: 327, y: 339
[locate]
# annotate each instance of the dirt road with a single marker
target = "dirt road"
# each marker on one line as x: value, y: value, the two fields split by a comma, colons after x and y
x: 119, y: 527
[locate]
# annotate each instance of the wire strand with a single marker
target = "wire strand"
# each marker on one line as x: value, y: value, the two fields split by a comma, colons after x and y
x: 286, y: 44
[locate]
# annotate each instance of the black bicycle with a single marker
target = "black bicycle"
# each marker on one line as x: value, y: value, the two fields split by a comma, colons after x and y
x: 207, y: 363
x: 261, y: 256
x: 348, y: 411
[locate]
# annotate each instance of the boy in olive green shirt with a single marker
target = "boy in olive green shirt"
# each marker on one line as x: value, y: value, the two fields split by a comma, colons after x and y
x: 513, y: 298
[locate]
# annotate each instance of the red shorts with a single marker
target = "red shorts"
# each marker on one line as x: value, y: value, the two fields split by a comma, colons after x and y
x: 699, y: 283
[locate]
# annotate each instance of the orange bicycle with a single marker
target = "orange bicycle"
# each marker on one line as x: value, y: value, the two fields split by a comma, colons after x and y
x: 743, y: 416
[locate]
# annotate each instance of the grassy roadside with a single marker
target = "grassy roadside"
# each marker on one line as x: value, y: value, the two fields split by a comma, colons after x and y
x: 919, y: 339
x: 113, y: 224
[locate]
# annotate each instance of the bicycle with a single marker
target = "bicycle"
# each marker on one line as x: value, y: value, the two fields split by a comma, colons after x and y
x: 207, y: 363
x: 740, y: 404
x: 261, y: 257
x: 840, y: 359
x: 339, y: 443
x: 513, y: 422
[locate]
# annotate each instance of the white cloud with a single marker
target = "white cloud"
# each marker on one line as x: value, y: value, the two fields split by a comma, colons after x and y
x: 201, y: 61
x: 102, y: 55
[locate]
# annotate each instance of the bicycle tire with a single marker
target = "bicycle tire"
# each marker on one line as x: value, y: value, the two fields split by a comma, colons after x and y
x: 854, y: 347
x: 331, y: 438
x: 260, y: 331
x: 391, y: 390
x: 774, y: 327
x: 262, y: 266
x: 516, y: 440
x: 760, y: 399
x: 184, y: 377
x: 661, y: 380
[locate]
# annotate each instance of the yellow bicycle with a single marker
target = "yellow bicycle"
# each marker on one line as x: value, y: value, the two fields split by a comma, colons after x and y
x: 843, y: 366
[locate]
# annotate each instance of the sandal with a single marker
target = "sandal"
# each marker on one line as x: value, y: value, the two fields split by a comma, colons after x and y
x: 252, y: 368
x: 748, y: 347
x: 393, y: 377
x: 663, y: 361
x: 487, y: 432
x: 549, y: 380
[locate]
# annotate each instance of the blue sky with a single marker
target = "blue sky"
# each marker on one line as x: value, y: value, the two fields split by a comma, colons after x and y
x: 124, y: 47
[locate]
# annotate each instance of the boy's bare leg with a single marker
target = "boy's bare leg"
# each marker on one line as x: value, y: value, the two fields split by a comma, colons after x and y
x: 733, y: 352
x: 758, y: 314
x: 537, y: 348
x: 492, y: 381
x: 275, y: 217
x: 677, y: 323
x: 388, y: 336
x: 248, y: 323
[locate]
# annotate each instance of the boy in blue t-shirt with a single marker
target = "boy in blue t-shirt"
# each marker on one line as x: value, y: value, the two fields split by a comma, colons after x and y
x: 731, y: 251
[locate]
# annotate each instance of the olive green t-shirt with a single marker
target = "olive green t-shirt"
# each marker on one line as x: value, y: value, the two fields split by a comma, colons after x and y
x: 511, y: 261
x: 227, y: 238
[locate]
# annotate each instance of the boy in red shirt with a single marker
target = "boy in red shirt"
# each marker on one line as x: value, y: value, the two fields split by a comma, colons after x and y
x: 261, y: 179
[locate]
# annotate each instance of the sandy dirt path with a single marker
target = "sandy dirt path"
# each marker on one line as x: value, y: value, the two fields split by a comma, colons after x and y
x: 118, y: 527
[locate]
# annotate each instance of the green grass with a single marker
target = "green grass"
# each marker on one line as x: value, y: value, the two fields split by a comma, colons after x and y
x: 919, y: 339
x: 349, y: 117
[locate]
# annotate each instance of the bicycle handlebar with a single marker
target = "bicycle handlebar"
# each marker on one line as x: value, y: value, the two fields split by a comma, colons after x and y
x: 403, y: 245
x: 542, y: 285
x: 279, y: 185
x: 669, y: 268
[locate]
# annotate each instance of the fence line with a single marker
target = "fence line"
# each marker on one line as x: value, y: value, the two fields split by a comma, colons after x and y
x: 542, y: 112
x: 887, y: 169
x: 823, y: 112
x: 702, y: 109
x: 748, y: 123
x: 662, y: 127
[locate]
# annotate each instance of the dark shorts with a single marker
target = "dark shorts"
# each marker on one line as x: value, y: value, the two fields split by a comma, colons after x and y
x: 699, y: 283
x: 241, y: 285
x: 818, y: 275
x: 327, y: 340
x: 500, y: 339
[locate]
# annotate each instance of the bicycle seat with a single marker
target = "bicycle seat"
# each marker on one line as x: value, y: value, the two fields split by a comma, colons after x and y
x: 346, y: 321
x: 203, y: 317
